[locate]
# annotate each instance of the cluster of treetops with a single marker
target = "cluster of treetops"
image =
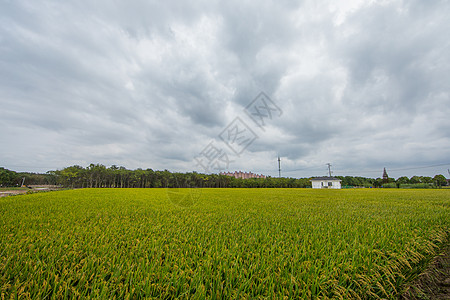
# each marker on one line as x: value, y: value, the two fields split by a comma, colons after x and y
x: 100, y: 176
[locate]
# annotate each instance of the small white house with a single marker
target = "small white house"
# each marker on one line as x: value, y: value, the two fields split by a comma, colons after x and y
x: 326, y: 183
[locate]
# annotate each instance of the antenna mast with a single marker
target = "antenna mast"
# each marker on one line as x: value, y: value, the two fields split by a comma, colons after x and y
x: 279, y: 166
x: 329, y: 168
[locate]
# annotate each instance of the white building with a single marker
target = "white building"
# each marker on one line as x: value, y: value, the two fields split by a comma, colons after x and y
x: 326, y: 183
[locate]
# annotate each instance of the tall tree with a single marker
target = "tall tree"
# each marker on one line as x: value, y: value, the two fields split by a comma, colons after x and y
x: 440, y: 180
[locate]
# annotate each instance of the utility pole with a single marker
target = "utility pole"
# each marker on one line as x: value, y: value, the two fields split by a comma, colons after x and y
x: 279, y: 167
x: 329, y: 168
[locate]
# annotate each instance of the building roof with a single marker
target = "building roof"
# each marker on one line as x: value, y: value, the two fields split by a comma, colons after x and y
x: 325, y: 178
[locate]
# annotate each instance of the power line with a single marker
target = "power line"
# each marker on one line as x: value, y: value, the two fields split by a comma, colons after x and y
x: 425, y: 167
x: 308, y: 168
x: 372, y: 171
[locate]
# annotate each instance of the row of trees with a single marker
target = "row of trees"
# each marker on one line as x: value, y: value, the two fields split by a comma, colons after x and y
x: 414, y: 181
x: 100, y: 176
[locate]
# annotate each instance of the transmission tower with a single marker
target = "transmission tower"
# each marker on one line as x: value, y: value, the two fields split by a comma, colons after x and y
x: 279, y: 167
x: 385, y: 176
x: 329, y: 169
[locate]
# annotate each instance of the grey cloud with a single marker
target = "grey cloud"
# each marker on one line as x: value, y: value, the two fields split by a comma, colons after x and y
x: 146, y: 84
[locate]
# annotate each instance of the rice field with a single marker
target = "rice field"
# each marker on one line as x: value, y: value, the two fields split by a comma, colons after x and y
x: 218, y: 243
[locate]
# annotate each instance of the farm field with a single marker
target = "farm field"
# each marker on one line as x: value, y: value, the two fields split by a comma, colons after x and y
x: 219, y: 243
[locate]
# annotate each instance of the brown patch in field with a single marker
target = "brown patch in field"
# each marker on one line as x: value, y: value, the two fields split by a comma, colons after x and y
x: 12, y: 192
x: 434, y: 282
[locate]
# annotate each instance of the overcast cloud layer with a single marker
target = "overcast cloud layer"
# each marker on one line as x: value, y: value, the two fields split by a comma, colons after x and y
x: 361, y: 84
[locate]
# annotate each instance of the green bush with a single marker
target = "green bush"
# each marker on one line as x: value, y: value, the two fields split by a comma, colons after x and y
x: 416, y: 186
x: 390, y: 185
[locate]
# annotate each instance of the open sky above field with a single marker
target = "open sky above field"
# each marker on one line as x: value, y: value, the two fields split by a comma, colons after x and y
x: 360, y: 84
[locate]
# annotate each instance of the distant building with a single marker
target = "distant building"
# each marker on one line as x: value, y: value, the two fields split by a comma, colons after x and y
x: 326, y: 183
x: 243, y: 175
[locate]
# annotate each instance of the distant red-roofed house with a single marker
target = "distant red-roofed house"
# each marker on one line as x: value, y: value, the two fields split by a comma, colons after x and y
x: 243, y: 175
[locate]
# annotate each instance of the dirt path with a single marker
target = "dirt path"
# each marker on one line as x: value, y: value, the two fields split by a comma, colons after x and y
x: 12, y: 192
x: 31, y: 188
x: 434, y: 283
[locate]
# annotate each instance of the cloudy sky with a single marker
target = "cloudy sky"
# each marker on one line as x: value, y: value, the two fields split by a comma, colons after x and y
x: 157, y: 84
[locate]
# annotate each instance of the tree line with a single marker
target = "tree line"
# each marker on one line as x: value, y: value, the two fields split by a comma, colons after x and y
x: 401, y: 182
x: 100, y: 176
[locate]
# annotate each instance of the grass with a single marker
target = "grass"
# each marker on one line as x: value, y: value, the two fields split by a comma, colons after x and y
x: 218, y: 243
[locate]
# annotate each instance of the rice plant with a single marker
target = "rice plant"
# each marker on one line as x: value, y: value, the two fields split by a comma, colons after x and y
x: 227, y: 243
